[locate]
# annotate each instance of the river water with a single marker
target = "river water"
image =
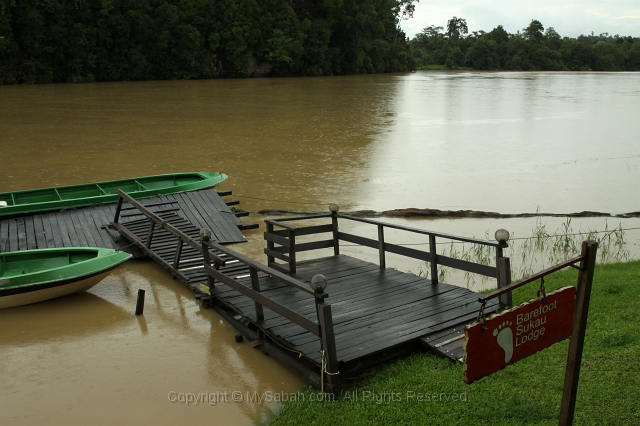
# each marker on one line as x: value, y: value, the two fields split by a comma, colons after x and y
x: 500, y: 142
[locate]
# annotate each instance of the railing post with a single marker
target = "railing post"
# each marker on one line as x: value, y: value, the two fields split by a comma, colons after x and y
x: 118, y: 208
x: 292, y: 251
x: 504, y: 274
x: 205, y: 236
x: 381, y: 251
x: 270, y: 244
x: 331, y: 373
x: 434, y: 259
x: 176, y: 259
x: 576, y: 344
x: 334, y: 208
x: 255, y: 285
x: 503, y: 268
x: 152, y: 225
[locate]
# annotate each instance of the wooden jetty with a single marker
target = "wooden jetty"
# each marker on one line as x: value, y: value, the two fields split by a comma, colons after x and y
x: 367, y: 313
x: 89, y: 226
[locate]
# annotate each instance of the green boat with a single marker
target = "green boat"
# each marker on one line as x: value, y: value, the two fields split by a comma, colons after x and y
x: 32, y: 276
x: 60, y: 197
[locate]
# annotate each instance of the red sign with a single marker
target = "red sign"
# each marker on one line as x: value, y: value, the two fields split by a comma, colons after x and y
x: 517, y: 333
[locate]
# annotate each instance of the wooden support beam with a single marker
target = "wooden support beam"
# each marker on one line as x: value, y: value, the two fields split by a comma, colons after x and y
x: 336, y: 238
x: 118, y: 209
x: 434, y: 259
x: 381, y: 252
x: 576, y: 344
x: 176, y: 259
x: 255, y: 285
x: 292, y: 251
x: 332, y: 372
x: 504, y: 274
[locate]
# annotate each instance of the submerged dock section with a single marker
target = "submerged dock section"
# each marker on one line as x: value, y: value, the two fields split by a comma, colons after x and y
x: 89, y: 226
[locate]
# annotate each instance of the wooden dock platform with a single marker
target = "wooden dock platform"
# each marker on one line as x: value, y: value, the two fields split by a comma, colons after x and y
x: 88, y: 226
x: 374, y: 310
x: 367, y: 313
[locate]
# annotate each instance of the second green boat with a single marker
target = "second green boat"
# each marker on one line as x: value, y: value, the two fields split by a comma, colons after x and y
x: 60, y: 197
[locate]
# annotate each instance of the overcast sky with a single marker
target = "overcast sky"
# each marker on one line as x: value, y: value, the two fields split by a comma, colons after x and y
x: 568, y: 17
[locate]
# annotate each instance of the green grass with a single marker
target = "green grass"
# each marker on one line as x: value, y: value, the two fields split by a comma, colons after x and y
x: 528, y: 392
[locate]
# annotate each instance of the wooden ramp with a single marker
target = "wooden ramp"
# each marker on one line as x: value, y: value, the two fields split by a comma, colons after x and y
x: 185, y: 263
x: 88, y: 226
x: 376, y: 312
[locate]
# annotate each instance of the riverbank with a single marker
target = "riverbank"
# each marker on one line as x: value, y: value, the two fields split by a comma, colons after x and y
x: 424, y: 388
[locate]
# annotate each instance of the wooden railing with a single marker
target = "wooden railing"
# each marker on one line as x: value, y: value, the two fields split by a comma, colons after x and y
x: 281, y: 244
x: 323, y: 328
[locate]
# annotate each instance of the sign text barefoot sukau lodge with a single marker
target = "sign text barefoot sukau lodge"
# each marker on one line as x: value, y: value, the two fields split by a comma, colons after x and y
x: 517, y: 333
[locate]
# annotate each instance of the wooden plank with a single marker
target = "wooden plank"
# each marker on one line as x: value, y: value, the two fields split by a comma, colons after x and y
x: 80, y: 229
x: 103, y: 219
x: 71, y: 231
x: 4, y: 235
x: 13, y: 235
x: 64, y: 233
x: 217, y: 203
x: 277, y: 239
x: 31, y: 237
x: 315, y: 245
x: 41, y: 239
x: 22, y: 234
x: 215, y: 216
x: 476, y: 268
x: 57, y: 237
x: 408, y: 252
x: 367, y: 242
x: 48, y: 232
x: 310, y: 230
x: 224, y: 218
x: 90, y: 215
x: 277, y: 255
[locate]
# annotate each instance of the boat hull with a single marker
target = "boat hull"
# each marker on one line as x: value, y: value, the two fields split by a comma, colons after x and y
x: 60, y: 289
x: 32, y: 276
x: 62, y: 197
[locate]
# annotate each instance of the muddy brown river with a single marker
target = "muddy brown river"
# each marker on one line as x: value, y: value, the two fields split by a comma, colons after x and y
x: 500, y: 142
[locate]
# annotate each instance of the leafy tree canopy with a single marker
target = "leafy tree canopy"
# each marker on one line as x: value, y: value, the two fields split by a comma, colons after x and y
x: 45, y: 41
x: 533, y: 49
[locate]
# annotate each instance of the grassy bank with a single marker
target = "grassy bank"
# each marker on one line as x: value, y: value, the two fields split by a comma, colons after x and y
x: 528, y: 392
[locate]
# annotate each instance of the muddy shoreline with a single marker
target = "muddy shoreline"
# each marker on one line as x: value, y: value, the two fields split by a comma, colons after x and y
x: 448, y: 214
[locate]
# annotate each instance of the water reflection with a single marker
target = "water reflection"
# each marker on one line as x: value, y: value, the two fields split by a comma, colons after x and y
x: 505, y: 142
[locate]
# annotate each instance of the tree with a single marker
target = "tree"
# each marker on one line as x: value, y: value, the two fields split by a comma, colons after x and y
x: 534, y: 31
x: 455, y: 27
x: 402, y: 10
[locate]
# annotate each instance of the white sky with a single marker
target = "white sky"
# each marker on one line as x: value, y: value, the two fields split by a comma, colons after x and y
x: 569, y: 18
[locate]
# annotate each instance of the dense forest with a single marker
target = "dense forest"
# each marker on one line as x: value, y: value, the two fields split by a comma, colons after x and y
x: 46, y: 41
x: 534, y: 49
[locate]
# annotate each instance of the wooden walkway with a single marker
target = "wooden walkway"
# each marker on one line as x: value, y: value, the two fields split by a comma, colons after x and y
x: 374, y: 310
x: 190, y: 265
x: 88, y: 226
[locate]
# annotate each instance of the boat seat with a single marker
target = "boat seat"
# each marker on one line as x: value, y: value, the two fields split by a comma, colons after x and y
x: 12, y: 273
